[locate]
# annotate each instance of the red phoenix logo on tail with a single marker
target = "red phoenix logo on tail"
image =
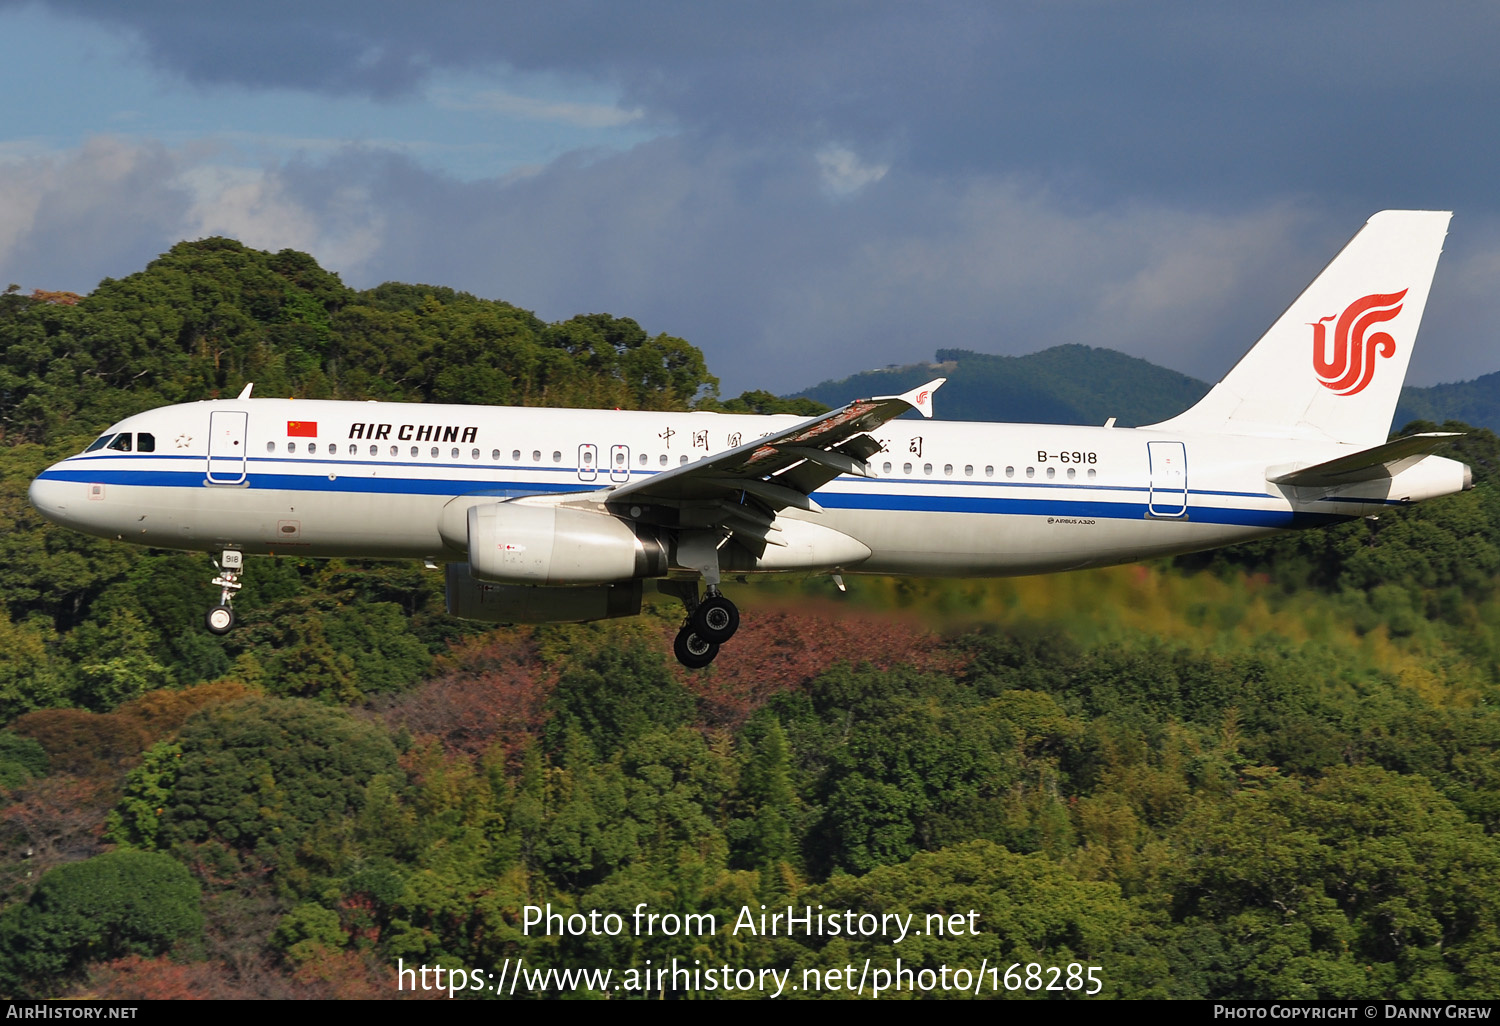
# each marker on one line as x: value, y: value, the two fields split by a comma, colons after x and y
x: 1351, y: 365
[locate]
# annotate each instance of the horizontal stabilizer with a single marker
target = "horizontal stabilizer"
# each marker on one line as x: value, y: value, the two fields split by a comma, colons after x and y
x: 1366, y: 465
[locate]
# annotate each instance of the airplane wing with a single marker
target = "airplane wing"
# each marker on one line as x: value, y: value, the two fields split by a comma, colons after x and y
x: 742, y: 489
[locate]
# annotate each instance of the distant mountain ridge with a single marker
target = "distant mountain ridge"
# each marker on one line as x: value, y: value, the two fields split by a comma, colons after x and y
x: 1476, y: 403
x: 1077, y: 384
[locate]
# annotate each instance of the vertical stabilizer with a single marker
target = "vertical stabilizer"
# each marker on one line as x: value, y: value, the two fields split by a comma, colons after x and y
x: 1332, y: 366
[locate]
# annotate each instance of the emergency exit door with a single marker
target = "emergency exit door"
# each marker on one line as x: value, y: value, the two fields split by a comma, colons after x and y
x: 1168, y: 479
x: 226, y: 447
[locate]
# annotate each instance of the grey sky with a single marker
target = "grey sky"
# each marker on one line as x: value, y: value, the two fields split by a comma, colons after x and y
x: 803, y: 190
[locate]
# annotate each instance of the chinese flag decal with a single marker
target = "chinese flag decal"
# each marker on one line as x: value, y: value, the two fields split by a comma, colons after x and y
x: 302, y: 429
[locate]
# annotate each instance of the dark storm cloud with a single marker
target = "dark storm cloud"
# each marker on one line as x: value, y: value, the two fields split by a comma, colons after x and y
x: 1367, y: 104
x: 847, y: 185
x: 740, y: 251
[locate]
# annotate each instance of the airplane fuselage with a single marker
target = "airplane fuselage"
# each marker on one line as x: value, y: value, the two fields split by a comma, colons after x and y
x: 546, y: 515
x: 326, y: 478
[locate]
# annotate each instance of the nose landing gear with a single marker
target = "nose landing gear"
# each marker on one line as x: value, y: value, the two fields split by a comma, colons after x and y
x: 220, y: 619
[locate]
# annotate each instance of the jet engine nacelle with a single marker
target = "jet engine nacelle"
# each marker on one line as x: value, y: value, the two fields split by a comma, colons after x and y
x: 517, y: 543
x: 520, y: 603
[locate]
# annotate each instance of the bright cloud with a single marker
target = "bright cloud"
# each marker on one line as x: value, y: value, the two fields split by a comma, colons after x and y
x: 345, y: 231
x: 843, y: 173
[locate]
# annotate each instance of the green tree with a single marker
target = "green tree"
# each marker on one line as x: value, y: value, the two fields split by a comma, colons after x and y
x: 615, y: 694
x: 122, y: 903
x: 258, y: 776
x: 976, y: 904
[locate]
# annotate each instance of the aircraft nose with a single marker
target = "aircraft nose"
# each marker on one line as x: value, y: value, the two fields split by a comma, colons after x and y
x: 52, y: 497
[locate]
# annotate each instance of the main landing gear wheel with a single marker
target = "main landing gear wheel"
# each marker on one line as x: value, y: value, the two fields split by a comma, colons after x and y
x: 692, y: 650
x: 220, y: 619
x: 716, y: 619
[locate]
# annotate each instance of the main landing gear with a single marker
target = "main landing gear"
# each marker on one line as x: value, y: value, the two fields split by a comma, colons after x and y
x: 712, y: 621
x: 231, y: 563
x: 708, y: 623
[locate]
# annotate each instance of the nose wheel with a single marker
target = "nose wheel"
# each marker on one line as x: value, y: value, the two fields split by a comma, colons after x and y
x: 220, y: 619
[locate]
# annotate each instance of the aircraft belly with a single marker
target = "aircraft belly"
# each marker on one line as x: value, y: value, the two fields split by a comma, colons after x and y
x: 1000, y: 545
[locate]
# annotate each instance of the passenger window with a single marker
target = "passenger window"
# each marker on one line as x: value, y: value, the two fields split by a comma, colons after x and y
x: 100, y: 442
x: 495, y: 456
x: 1031, y: 472
x: 682, y: 461
x: 969, y: 471
x: 1010, y: 471
x: 312, y: 447
x: 643, y: 459
x: 619, y: 459
x: 588, y: 458
x: 1093, y: 474
x: 374, y: 450
x: 906, y: 468
x: 886, y: 468
x: 145, y: 442
x: 395, y: 451
x: 121, y: 442
x: 556, y: 456
x: 927, y: 469
x: 1051, y: 473
x: 434, y: 452
x: 291, y: 447
x: 989, y: 471
x: 536, y: 455
x: 353, y: 449
x: 664, y: 459
x: 1072, y: 473
x: 474, y: 454
x: 947, y: 470
x: 415, y: 451
x: 454, y: 452
x: 515, y: 454
x: 270, y: 447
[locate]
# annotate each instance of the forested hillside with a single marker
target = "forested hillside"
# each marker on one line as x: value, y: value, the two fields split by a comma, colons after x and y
x: 1076, y: 384
x: 1268, y: 772
x: 1063, y: 385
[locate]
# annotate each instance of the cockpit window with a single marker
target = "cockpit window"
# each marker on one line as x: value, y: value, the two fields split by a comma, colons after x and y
x: 121, y: 442
x: 100, y: 442
x: 145, y: 442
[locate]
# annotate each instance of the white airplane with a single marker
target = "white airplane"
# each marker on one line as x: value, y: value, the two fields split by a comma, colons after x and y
x: 562, y: 515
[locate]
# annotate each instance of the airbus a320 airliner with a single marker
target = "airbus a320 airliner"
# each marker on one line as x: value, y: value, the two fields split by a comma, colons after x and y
x: 562, y: 515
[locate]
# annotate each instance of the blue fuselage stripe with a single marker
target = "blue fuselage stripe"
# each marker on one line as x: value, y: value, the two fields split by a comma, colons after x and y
x: 1064, y: 505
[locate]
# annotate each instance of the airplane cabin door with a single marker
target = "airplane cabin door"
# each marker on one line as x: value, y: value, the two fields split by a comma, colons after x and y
x: 619, y: 463
x: 226, y: 447
x: 588, y: 461
x: 1168, y: 479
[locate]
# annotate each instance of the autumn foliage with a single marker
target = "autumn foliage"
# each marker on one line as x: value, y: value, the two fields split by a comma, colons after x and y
x: 780, y: 650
